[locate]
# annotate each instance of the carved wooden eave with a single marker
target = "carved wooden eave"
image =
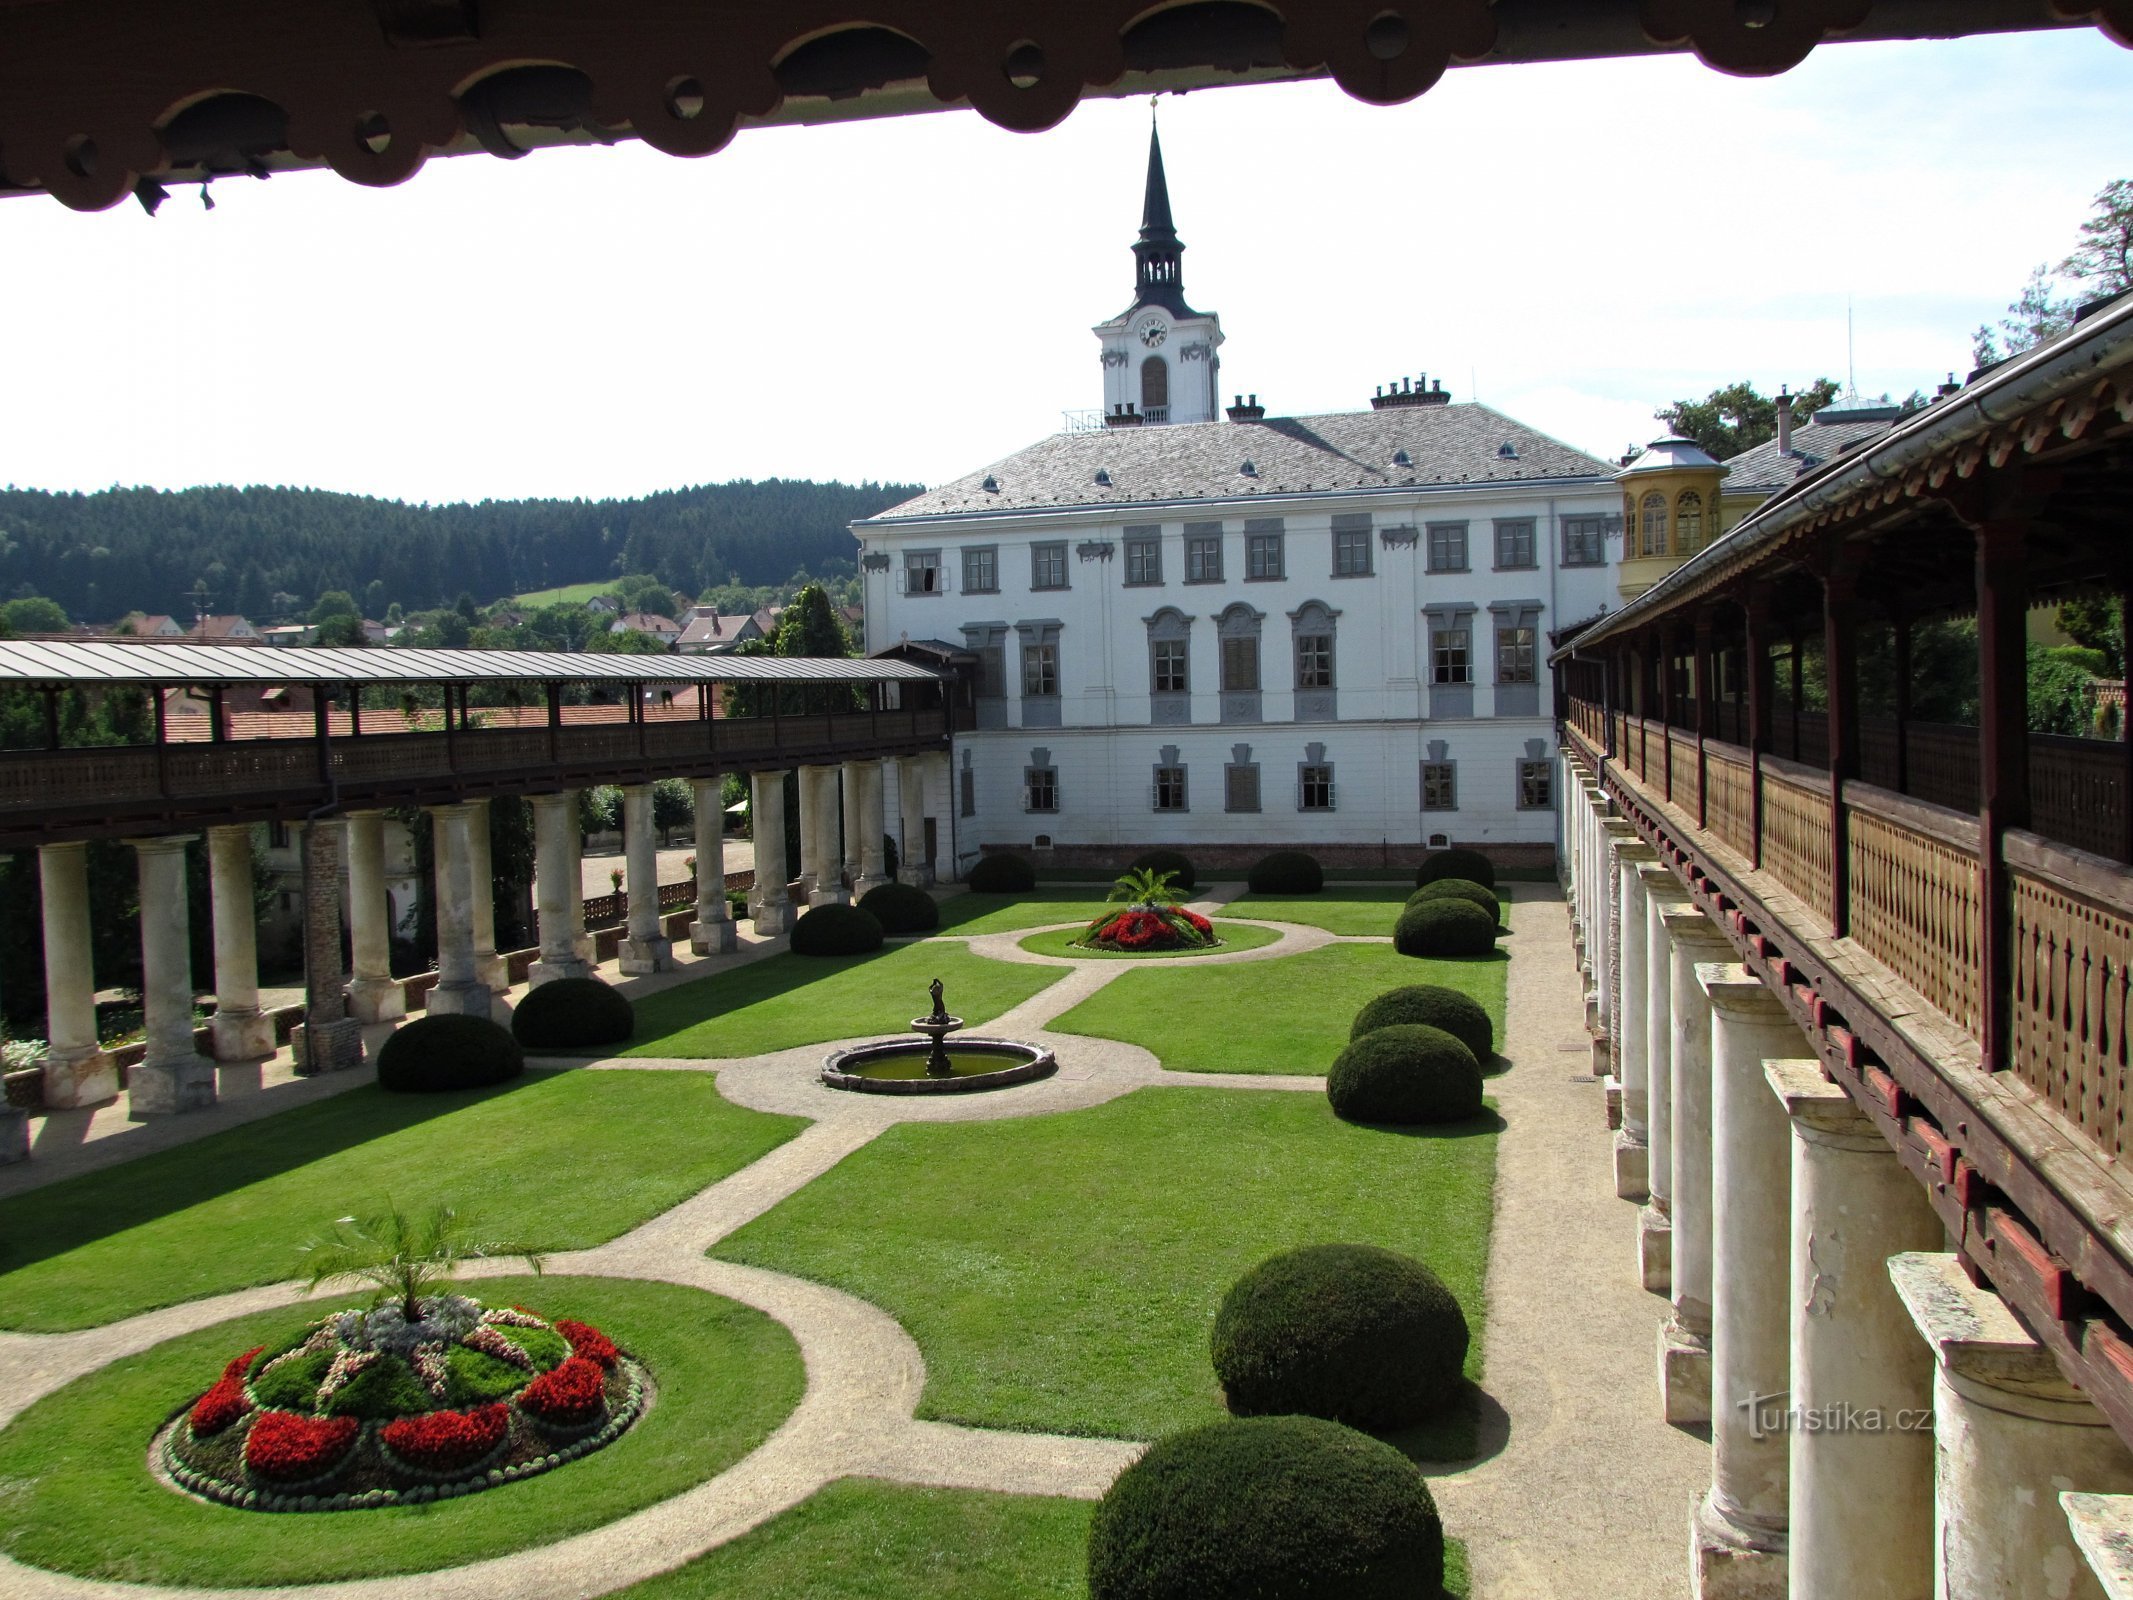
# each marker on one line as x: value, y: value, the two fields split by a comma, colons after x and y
x: 98, y: 96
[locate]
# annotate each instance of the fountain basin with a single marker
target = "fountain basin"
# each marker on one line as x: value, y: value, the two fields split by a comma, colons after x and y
x: 899, y: 1066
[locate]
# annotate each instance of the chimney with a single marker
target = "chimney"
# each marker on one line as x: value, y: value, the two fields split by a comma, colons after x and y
x: 1784, y: 404
x: 1246, y: 411
x: 1124, y: 416
x: 1948, y: 388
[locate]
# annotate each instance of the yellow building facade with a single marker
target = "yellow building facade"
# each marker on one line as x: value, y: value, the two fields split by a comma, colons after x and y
x: 1670, y: 510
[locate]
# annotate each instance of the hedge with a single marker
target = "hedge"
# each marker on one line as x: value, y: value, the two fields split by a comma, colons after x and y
x: 433, y: 1054
x: 1405, y: 1075
x: 567, y: 1013
x: 1456, y: 863
x: 834, y: 930
x: 1444, y: 928
x: 1174, y: 862
x: 1434, y: 1006
x: 1460, y: 889
x: 1267, y: 1508
x: 1286, y: 872
x: 1002, y: 874
x: 900, y: 908
x: 1349, y: 1332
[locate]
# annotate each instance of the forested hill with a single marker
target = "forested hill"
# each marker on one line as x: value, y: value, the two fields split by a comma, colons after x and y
x: 100, y: 555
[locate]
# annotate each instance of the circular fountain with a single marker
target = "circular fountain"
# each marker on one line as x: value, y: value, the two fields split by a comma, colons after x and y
x: 925, y: 1065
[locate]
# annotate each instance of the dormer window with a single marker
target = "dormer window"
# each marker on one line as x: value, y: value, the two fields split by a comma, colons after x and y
x: 1688, y: 522
x: 1400, y: 458
x: 1651, y: 532
x: 1103, y: 477
x: 1248, y: 470
x: 1507, y: 451
x: 991, y: 485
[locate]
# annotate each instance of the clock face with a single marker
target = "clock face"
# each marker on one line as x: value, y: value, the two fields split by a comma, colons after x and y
x: 1154, y: 331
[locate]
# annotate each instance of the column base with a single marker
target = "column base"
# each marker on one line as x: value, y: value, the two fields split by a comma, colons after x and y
x: 637, y: 958
x: 14, y: 1135
x: 327, y: 1046
x: 865, y: 884
x: 377, y: 1000
x: 716, y: 938
x: 241, y: 1035
x: 1684, y: 1375
x: 1655, y: 1250
x: 1728, y: 1562
x: 830, y: 897
x: 1611, y: 1098
x: 548, y: 971
x: 1592, y: 1015
x: 469, y: 999
x: 164, y: 1088
x: 1633, y: 1162
x: 916, y: 877
x: 494, y: 971
x: 70, y: 1082
x: 774, y: 919
x: 1603, y: 1058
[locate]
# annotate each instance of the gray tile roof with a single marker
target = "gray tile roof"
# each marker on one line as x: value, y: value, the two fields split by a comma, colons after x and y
x: 1447, y: 444
x: 1765, y: 471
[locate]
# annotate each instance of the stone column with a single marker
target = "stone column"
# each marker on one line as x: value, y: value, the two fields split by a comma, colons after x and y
x: 173, y: 1075
x: 810, y: 835
x: 582, y: 942
x: 646, y: 949
x: 374, y: 995
x: 873, y: 829
x: 1615, y: 832
x: 1685, y: 1340
x: 1664, y: 895
x: 713, y: 933
x: 766, y: 813
x: 1738, y: 1538
x: 459, y: 990
x: 76, y: 1070
x: 1862, y: 1449
x: 912, y: 867
x: 1633, y: 1011
x: 829, y: 888
x: 328, y: 1039
x: 490, y: 967
x: 941, y: 776
x: 239, y: 1031
x: 2010, y: 1435
x: 855, y: 832
x: 558, y: 898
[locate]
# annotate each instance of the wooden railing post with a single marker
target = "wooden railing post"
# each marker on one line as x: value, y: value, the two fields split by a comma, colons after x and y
x: 1755, y: 647
x: 1706, y: 710
x: 1840, y: 667
x: 2003, y: 766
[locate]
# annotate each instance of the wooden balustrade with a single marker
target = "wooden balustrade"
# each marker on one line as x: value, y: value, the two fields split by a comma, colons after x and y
x: 1796, y: 840
x: 1681, y: 766
x: 2077, y: 792
x: 2073, y: 947
x: 1730, y: 809
x: 1913, y: 880
x: 382, y: 758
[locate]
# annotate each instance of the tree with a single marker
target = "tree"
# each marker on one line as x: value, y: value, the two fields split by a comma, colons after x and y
x: 810, y: 626
x: 465, y: 606
x: 2096, y: 621
x: 342, y: 631
x: 1738, y: 417
x: 401, y: 1258
x: 2101, y: 265
x: 2034, y: 317
x: 34, y: 615
x: 334, y: 603
x: 374, y: 597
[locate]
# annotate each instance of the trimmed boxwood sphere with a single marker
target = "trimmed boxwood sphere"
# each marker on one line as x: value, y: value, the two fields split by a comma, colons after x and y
x: 1456, y: 863
x: 1405, y: 1074
x: 1460, y: 889
x: 434, y: 1054
x: 1174, y: 862
x: 835, y: 930
x: 1431, y: 1005
x: 1002, y: 874
x: 1286, y: 872
x: 1267, y: 1508
x: 568, y: 1012
x: 900, y: 908
x: 1444, y: 928
x: 1350, y: 1332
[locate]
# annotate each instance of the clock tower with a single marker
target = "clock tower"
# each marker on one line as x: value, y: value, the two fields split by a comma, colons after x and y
x: 1159, y: 355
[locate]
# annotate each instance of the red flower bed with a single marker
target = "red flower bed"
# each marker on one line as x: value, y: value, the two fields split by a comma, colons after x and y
x: 446, y: 1441
x: 294, y: 1449
x: 1140, y: 928
x: 1199, y: 923
x: 588, y: 1341
x: 225, y: 1402
x: 568, y: 1396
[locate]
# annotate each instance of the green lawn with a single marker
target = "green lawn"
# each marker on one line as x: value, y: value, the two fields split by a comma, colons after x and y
x: 1359, y: 908
x: 1061, y: 942
x: 1254, y: 1030
x: 568, y: 593
x: 1005, y: 913
x: 792, y: 1000
x: 1061, y: 1273
x: 78, y: 1497
x: 563, y: 1160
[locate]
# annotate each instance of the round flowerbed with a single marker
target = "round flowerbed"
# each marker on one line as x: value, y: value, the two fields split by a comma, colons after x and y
x: 1147, y: 927
x: 374, y: 1408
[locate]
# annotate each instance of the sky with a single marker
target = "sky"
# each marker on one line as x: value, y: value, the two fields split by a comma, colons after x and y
x: 910, y: 299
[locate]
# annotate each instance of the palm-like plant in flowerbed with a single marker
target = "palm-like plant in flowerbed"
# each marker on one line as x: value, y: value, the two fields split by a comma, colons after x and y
x: 422, y: 1394
x: 1150, y: 918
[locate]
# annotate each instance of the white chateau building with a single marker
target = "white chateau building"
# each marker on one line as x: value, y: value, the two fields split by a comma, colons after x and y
x: 1240, y: 632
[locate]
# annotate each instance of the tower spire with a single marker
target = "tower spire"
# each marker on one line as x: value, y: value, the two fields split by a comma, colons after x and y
x: 1158, y: 275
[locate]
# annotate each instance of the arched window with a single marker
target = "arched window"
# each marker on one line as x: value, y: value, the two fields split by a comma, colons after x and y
x: 1169, y: 667
x: 1312, y: 625
x: 1688, y: 522
x: 1155, y: 385
x: 1651, y: 539
x: 1237, y: 629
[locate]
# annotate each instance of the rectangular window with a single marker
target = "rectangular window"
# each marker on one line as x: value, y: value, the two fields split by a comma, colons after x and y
x: 1314, y: 661
x: 1351, y: 545
x: 1047, y: 566
x: 1584, y: 541
x: 1203, y: 552
x: 1447, y: 547
x: 1170, y: 789
x: 1451, y: 656
x: 1536, y: 785
x: 1240, y: 665
x: 1040, y: 788
x: 992, y: 672
x: 922, y: 572
x: 1440, y: 786
x: 1314, y: 788
x: 968, y: 787
x: 981, y: 569
x: 1170, y: 668
x: 1040, y: 670
x: 1144, y: 558
x: 1514, y: 655
x: 1514, y: 544
x: 277, y: 836
x: 1240, y: 788
x: 1262, y: 555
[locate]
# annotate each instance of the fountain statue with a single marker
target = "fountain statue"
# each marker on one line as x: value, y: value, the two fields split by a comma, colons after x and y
x: 937, y: 1027
x: 924, y: 1066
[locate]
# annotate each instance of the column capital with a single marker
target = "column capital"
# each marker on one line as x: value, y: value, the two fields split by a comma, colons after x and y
x: 1661, y: 884
x: 1736, y: 992
x: 1620, y: 828
x: 1636, y: 853
x: 1986, y: 1355
x: 1821, y: 1111
x: 557, y: 797
x: 451, y: 808
x: 1687, y: 925
x: 162, y: 843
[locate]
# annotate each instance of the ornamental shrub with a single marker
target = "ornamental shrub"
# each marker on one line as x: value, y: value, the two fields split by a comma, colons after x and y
x: 1434, y: 1006
x: 1405, y: 1074
x: 475, y: 1378
x: 1456, y: 863
x: 1350, y: 1332
x: 1174, y: 862
x: 1290, y: 1507
x: 571, y: 1013
x: 835, y: 930
x: 1002, y: 874
x: 387, y: 1387
x: 1460, y: 889
x: 434, y: 1054
x: 900, y: 908
x: 1286, y: 872
x: 1444, y: 928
